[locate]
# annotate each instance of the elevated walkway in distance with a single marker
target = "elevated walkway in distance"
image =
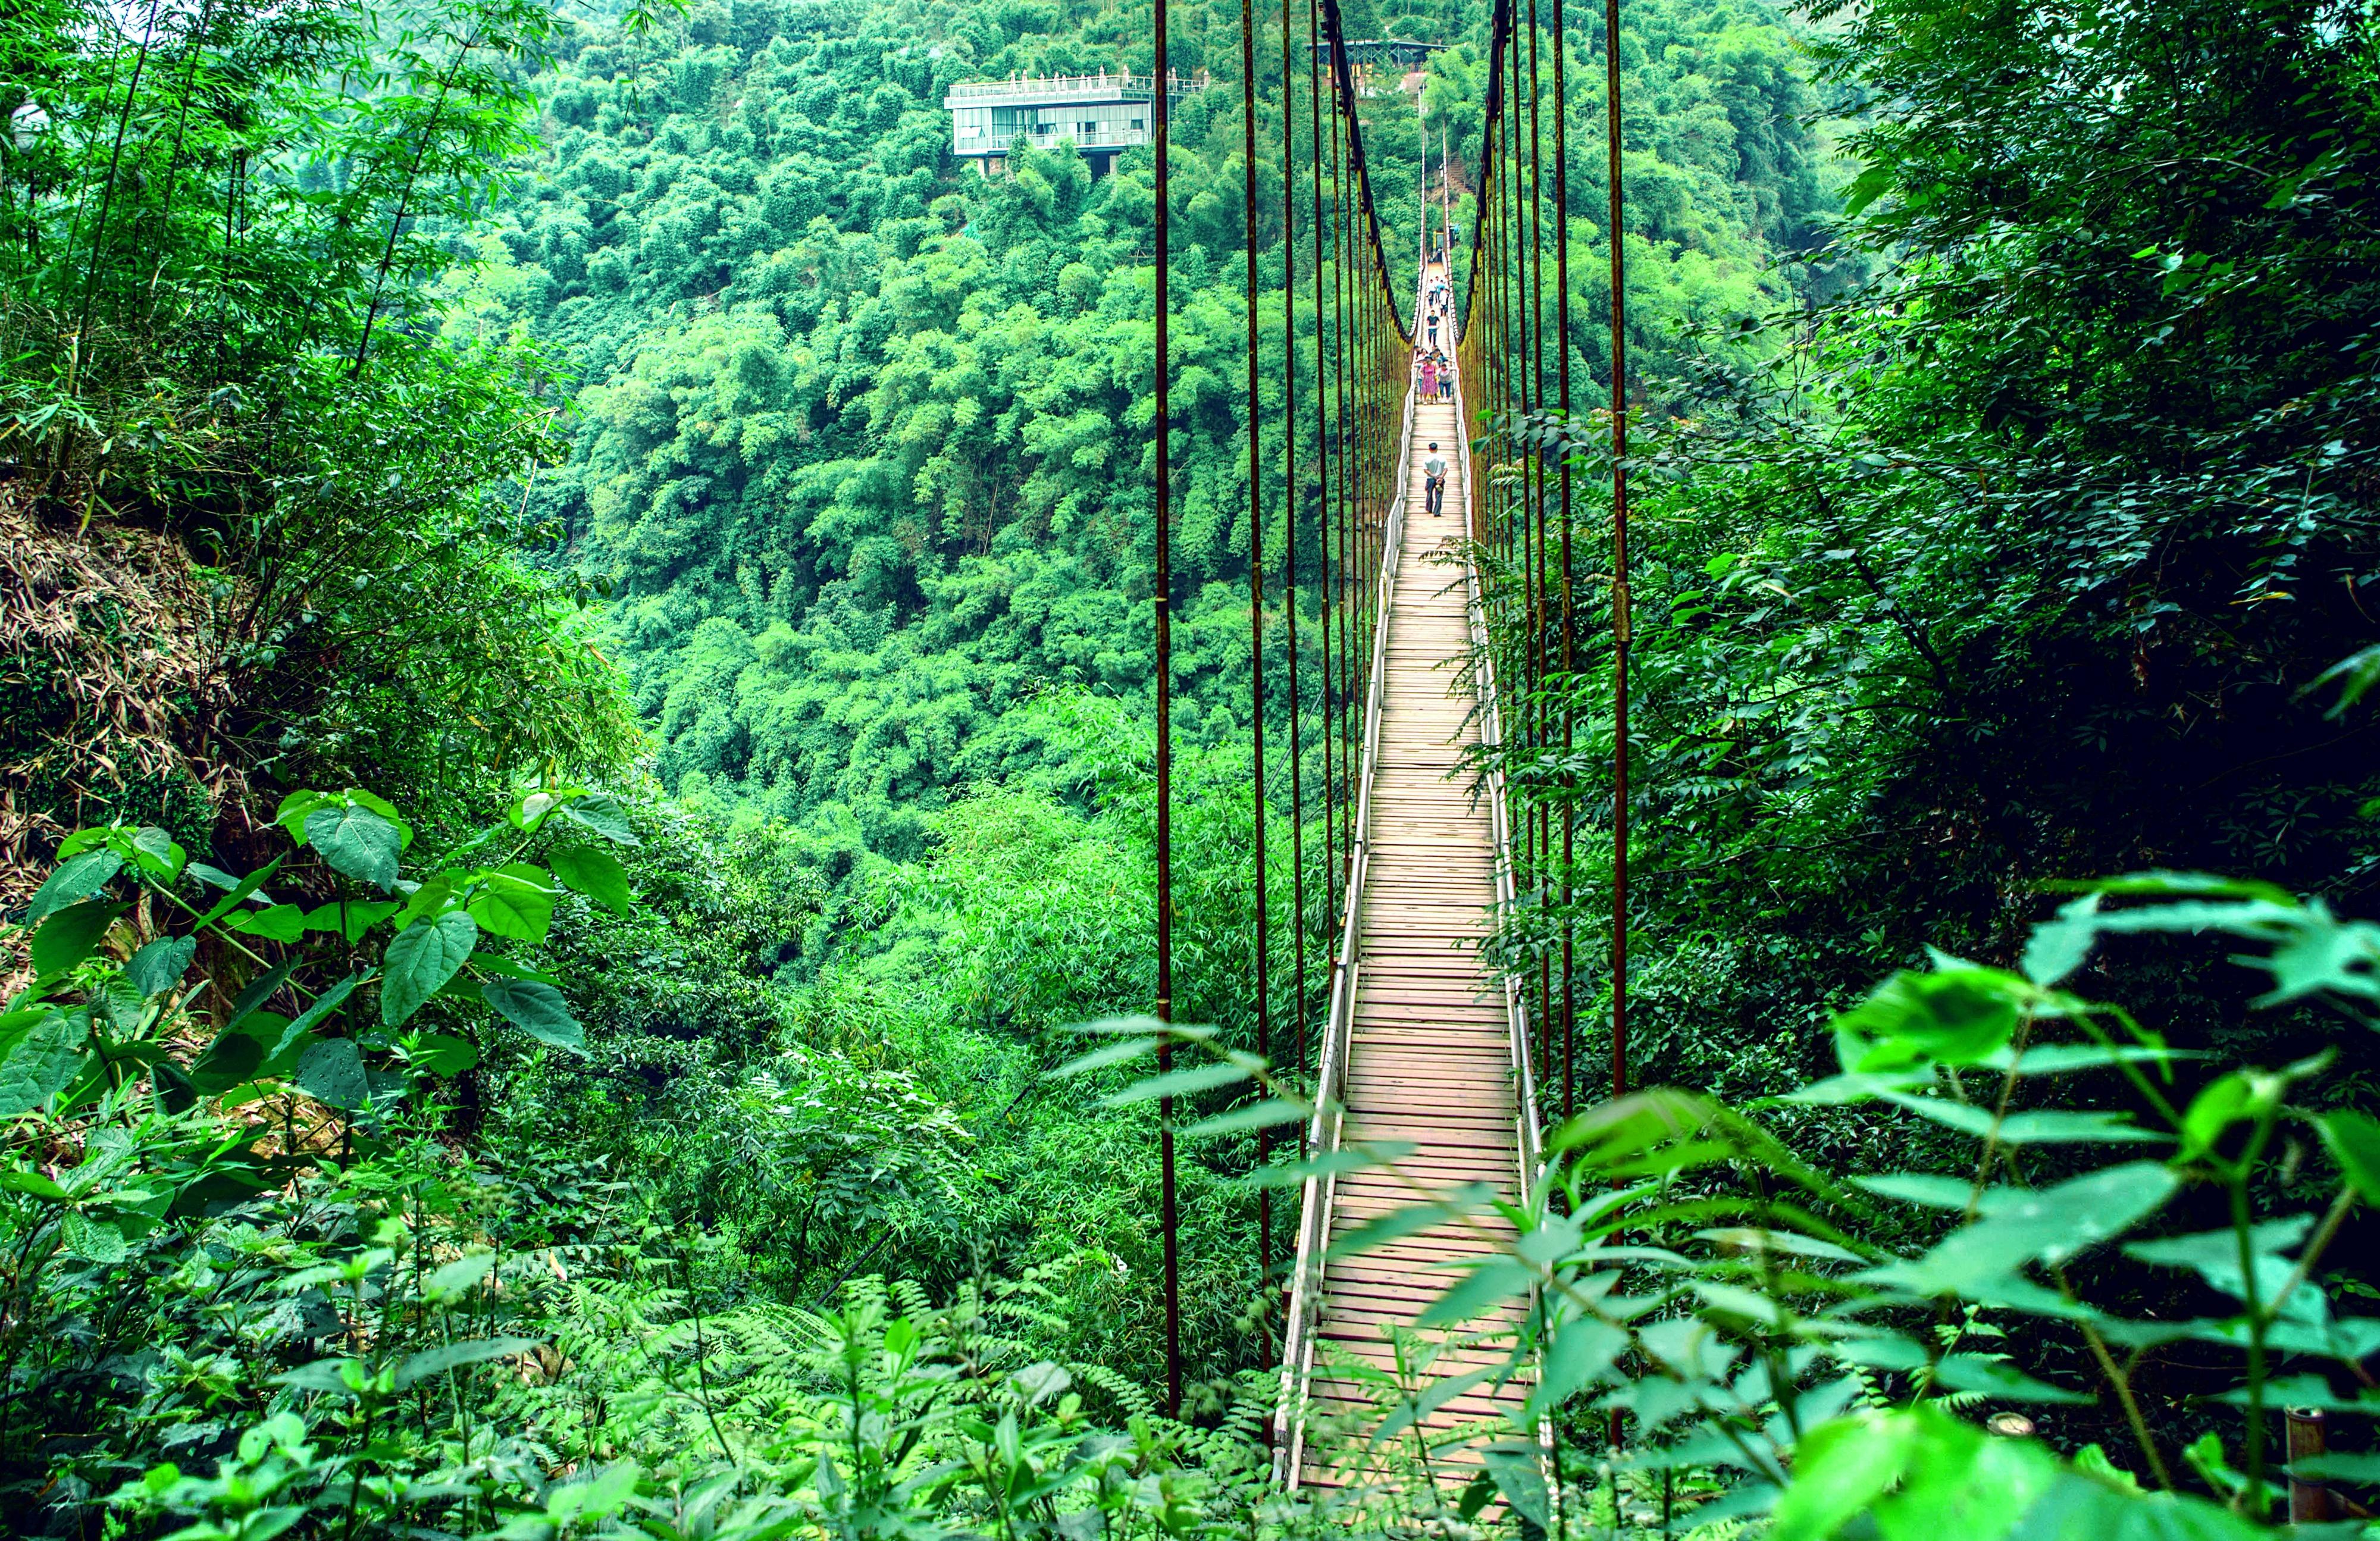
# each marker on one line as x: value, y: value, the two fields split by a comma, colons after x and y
x: 1425, y: 1046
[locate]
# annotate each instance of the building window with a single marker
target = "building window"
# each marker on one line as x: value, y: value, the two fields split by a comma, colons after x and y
x: 1088, y: 130
x: 1138, y: 125
x: 1041, y: 128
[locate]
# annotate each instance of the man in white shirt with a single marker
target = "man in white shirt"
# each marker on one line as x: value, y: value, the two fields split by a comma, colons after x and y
x: 1433, y: 472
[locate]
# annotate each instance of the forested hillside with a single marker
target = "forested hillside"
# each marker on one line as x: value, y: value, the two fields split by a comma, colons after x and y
x: 579, y: 787
x: 861, y: 435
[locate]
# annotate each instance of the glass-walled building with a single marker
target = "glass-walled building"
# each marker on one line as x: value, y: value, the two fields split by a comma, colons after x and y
x: 1101, y: 115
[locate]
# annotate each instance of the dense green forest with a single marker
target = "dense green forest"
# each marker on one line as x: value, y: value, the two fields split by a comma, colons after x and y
x: 578, y: 749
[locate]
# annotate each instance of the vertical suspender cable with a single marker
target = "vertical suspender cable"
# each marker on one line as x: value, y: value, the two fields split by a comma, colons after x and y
x: 1170, y: 1218
x: 1568, y: 626
x: 1539, y: 718
x: 1292, y: 500
x: 1255, y: 632
x: 1346, y: 479
x: 1322, y: 483
x: 1619, y: 593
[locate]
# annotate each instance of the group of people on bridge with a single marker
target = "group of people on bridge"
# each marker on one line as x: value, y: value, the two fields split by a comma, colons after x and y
x: 1434, y: 375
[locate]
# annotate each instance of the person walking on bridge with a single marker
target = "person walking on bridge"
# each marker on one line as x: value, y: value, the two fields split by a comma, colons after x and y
x: 1428, y: 379
x: 1433, y: 472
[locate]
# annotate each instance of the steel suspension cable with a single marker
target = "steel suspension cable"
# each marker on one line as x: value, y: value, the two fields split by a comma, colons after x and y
x: 1292, y: 500
x: 1343, y: 812
x: 1322, y: 486
x: 1619, y: 589
x: 1256, y: 630
x: 1170, y: 1218
x: 1569, y: 618
x: 1540, y: 737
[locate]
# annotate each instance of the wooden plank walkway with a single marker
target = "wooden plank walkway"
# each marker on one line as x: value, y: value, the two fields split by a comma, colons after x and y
x: 1429, y: 1059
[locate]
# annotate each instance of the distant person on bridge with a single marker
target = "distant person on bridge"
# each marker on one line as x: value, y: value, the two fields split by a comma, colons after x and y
x: 1433, y: 484
x: 1429, y: 378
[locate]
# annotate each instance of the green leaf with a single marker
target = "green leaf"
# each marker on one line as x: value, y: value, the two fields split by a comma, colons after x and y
x: 1330, y: 1163
x: 358, y: 843
x: 283, y: 923
x: 307, y: 1020
x: 2049, y: 1226
x: 2234, y: 1098
x: 232, y: 1058
x: 159, y: 965
x: 514, y: 901
x: 344, y: 1377
x: 2059, y: 947
x: 72, y: 934
x: 603, y: 815
x: 1099, y: 1059
x: 332, y: 1072
x: 2215, y: 1256
x: 1409, y: 1221
x: 597, y: 873
x: 1178, y: 1083
x: 2338, y: 1466
x: 444, y: 1054
x: 430, y: 898
x: 351, y: 918
x: 1486, y: 1287
x: 92, y: 1240
x: 239, y: 892
x: 1954, y: 1016
x: 295, y: 808
x: 262, y: 989
x: 158, y: 854
x: 1936, y: 1193
x: 39, y: 1057
x: 76, y: 879
x: 2039, y: 1128
x: 454, y: 1357
x: 419, y: 959
x: 2354, y: 1142
x: 386, y: 809
x: 1521, y: 1478
x: 1582, y: 1348
x: 451, y: 1282
x: 496, y: 963
x: 1255, y: 1115
x: 538, y: 1009
x: 1867, y: 188
x: 1972, y: 1372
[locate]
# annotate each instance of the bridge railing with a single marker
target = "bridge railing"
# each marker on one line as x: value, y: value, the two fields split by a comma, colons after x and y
x: 1324, y: 1133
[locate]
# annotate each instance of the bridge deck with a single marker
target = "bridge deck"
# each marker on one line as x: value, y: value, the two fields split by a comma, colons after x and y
x: 1430, y: 1057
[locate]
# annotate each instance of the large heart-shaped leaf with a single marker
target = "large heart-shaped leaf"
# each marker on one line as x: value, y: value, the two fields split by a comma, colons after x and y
x: 38, y: 1057
x: 76, y: 879
x: 72, y: 934
x: 419, y: 959
x: 538, y: 1009
x: 332, y: 1072
x: 159, y: 966
x: 595, y: 872
x: 356, y: 841
x: 604, y: 816
x: 515, y: 900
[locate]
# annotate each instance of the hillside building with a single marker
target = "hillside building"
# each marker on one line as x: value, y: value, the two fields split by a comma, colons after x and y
x: 1103, y: 114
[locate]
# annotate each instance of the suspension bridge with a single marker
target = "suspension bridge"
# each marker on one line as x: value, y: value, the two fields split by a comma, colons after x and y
x: 1443, y: 632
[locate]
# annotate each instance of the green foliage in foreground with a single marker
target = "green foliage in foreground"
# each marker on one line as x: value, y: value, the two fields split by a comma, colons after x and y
x: 214, y: 345
x: 2025, y: 564
x: 314, y: 1303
